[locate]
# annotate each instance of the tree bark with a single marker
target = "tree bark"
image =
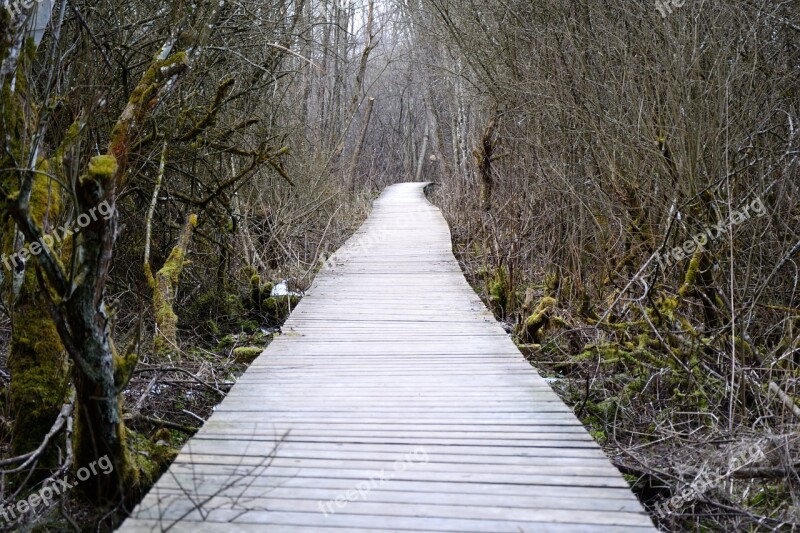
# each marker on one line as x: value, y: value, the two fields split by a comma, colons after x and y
x: 484, y: 156
x: 36, y: 357
x: 360, y: 144
x: 165, y: 284
x: 423, y: 151
x: 76, y: 299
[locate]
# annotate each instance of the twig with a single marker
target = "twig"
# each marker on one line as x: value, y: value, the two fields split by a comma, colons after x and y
x: 198, y: 417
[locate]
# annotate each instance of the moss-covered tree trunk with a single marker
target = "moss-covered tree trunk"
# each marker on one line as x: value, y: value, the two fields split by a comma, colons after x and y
x: 36, y: 357
x: 164, y: 285
x: 84, y: 325
x: 76, y: 296
x: 53, y: 312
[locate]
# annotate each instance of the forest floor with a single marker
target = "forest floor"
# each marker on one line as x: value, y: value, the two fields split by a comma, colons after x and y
x: 166, y: 402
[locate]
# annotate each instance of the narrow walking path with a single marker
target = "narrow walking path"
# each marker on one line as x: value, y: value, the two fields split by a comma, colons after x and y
x: 392, y: 401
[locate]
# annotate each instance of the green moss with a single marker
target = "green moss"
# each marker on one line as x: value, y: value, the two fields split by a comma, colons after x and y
x: 212, y: 327
x: 103, y: 166
x: 37, y: 359
x: 665, y: 307
x: 634, y: 387
x: 12, y: 128
x: 538, y: 321
x: 226, y: 342
x: 255, y: 292
x: 742, y: 346
x: 266, y: 290
x: 141, y: 101
x: 71, y: 136
x: 604, y: 410
x: 500, y: 292
x: 277, y: 308
x: 174, y: 264
x: 164, y: 286
x: 250, y: 326
x: 599, y: 435
x: 225, y: 309
x: 645, y: 341
x: 162, y: 437
x: 259, y: 337
x: 38, y: 363
x: 688, y: 327
x: 149, y: 460
x: 552, y: 282
x: 271, y: 306
x: 690, y: 280
x: 247, y: 354
x: 123, y: 368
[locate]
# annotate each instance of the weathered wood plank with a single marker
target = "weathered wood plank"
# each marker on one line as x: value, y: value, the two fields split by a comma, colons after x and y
x: 393, y: 392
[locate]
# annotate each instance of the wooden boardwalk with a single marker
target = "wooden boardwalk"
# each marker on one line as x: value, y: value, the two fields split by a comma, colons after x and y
x: 392, y: 401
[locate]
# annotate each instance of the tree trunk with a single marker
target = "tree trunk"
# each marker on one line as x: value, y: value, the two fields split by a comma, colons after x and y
x: 36, y: 360
x: 484, y: 156
x: 164, y: 285
x: 423, y: 152
x: 323, y: 139
x: 460, y: 127
x: 36, y: 357
x: 351, y: 174
x: 433, y: 119
x: 76, y: 298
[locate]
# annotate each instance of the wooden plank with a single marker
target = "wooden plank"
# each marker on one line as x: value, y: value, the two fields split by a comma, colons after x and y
x: 177, y: 481
x: 391, y: 372
x: 286, y: 492
x: 267, y: 520
x: 244, y: 449
x: 260, y: 511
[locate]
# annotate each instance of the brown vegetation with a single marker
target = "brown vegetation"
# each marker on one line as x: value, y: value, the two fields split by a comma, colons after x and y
x: 174, y: 131
x: 624, y: 135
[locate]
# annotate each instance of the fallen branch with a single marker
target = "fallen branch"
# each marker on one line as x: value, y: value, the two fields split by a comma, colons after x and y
x: 182, y: 371
x: 766, y: 472
x: 164, y: 423
x: 785, y: 398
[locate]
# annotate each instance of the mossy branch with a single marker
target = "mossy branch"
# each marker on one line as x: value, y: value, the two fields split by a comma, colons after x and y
x: 146, y: 96
x: 148, y: 271
x: 164, y: 285
x: 200, y: 126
